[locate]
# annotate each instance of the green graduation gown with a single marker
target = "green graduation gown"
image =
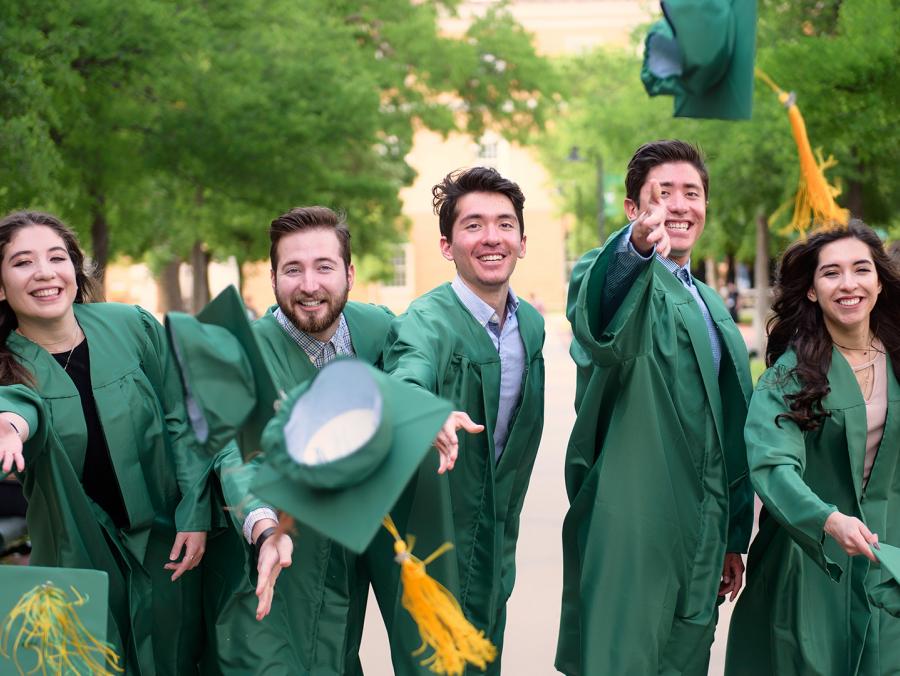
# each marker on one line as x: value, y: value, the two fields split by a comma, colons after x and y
x: 439, y: 346
x: 656, y: 475
x: 805, y: 610
x: 315, y: 625
x: 154, y: 624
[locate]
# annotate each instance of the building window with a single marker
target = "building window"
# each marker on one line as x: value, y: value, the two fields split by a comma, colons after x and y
x: 398, y: 266
x: 487, y: 150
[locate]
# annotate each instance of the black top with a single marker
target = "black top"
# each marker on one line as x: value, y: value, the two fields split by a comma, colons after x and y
x: 99, y: 477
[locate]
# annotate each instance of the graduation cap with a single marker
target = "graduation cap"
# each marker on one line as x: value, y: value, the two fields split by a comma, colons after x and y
x: 343, y: 446
x: 338, y: 454
x: 887, y: 594
x: 54, y: 619
x: 228, y: 388
x: 702, y: 53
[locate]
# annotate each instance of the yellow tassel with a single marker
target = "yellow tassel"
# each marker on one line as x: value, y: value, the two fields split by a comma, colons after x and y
x: 52, y: 630
x: 814, y: 203
x: 442, y: 624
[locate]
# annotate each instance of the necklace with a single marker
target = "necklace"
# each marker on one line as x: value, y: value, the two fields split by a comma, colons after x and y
x: 866, y: 370
x: 74, y: 345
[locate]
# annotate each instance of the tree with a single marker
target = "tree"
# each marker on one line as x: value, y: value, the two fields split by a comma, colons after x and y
x: 837, y: 56
x: 174, y: 129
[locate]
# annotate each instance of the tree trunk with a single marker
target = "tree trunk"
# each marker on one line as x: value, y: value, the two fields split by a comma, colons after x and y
x: 199, y: 276
x: 761, y: 275
x: 712, y: 279
x: 169, y: 288
x: 99, y: 240
x: 855, y: 200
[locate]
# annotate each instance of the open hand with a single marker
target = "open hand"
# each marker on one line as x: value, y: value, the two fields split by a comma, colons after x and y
x: 10, y: 449
x: 194, y: 545
x: 274, y: 554
x: 447, y: 442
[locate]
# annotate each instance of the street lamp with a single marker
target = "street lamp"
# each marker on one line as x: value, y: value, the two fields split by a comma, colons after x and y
x: 575, y: 156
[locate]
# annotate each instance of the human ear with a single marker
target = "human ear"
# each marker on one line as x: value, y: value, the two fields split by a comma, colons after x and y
x: 446, y: 248
x: 632, y: 209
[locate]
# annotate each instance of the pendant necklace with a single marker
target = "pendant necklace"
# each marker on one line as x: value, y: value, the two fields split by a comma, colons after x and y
x: 74, y: 345
x: 867, y: 368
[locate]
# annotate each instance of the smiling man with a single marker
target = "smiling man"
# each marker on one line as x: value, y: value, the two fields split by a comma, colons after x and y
x: 313, y: 623
x: 656, y: 469
x: 475, y: 343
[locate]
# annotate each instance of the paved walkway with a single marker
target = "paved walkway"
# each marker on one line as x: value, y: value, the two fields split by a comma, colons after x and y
x: 533, y: 610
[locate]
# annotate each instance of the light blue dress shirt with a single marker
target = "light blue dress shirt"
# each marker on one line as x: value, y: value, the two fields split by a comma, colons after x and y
x: 510, y: 348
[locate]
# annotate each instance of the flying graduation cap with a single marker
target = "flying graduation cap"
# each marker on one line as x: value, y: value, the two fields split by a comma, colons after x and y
x: 337, y: 456
x: 54, y: 621
x: 228, y: 388
x: 702, y: 53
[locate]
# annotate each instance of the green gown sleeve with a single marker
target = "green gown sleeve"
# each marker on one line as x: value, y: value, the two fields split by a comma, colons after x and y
x: 235, y: 477
x: 776, y: 455
x: 413, y: 352
x: 192, y: 469
x: 608, y: 339
x: 23, y: 401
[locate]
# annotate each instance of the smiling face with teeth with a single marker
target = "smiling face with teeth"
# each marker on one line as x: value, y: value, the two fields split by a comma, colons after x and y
x: 486, y: 242
x: 37, y: 277
x: 311, y: 281
x: 846, y: 286
x: 681, y: 188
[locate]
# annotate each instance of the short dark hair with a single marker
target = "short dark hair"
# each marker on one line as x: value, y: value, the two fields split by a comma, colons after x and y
x: 461, y: 182
x: 655, y: 153
x: 300, y: 219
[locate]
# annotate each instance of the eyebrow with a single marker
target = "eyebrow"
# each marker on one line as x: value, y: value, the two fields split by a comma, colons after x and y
x: 861, y: 261
x: 669, y: 184
x: 321, y: 259
x: 481, y: 217
x: 29, y: 251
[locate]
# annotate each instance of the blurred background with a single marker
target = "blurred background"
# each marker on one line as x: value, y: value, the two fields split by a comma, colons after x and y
x: 170, y: 133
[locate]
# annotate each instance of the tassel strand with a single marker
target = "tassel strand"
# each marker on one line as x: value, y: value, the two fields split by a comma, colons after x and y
x: 439, y: 617
x: 52, y: 630
x: 814, y: 203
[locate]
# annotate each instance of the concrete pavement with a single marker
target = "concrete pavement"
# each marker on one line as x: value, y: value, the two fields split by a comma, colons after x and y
x: 533, y: 610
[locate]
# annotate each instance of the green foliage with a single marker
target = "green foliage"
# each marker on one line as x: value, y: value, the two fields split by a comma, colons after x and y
x: 838, y: 56
x: 174, y: 122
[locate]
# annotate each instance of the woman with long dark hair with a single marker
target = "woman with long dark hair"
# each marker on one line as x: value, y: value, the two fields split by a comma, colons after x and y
x: 823, y: 444
x: 91, y: 416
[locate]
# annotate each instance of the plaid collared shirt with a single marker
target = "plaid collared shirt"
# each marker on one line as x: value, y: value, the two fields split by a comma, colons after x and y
x: 319, y: 353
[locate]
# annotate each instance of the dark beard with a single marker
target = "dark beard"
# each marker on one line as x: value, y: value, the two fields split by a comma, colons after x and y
x: 312, y: 325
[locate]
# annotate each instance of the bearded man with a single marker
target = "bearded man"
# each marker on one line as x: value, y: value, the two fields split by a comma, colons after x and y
x: 314, y: 623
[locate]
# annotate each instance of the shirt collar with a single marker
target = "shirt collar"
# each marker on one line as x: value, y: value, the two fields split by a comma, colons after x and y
x: 683, y: 272
x: 311, y: 346
x: 482, y: 312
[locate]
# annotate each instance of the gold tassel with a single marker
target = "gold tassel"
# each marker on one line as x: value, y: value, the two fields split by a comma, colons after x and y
x: 52, y: 629
x: 442, y: 624
x: 814, y: 203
